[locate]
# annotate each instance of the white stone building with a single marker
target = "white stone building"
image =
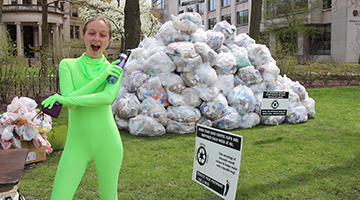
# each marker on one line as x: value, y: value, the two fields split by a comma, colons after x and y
x: 339, y: 21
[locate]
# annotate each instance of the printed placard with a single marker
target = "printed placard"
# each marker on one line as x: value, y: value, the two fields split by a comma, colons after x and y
x: 217, y: 160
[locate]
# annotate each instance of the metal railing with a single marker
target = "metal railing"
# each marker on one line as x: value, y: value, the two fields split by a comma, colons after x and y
x: 28, y: 83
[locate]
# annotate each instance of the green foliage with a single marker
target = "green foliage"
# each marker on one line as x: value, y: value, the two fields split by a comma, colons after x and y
x: 318, y: 159
x: 11, y: 66
x: 286, y: 62
x: 328, y: 70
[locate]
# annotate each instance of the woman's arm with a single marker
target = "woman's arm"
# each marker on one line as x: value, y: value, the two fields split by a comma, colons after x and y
x: 66, y: 82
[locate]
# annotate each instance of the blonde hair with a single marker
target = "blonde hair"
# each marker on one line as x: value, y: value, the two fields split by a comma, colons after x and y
x: 100, y: 18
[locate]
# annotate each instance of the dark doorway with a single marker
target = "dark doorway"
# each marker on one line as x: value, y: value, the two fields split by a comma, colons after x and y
x: 28, y: 40
x: 12, y: 35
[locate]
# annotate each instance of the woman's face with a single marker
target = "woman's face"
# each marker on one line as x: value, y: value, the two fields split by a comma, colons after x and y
x: 96, y: 38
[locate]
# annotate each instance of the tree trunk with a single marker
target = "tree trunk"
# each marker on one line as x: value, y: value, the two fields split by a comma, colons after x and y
x: 132, y: 24
x: 255, y: 19
x: 45, y: 36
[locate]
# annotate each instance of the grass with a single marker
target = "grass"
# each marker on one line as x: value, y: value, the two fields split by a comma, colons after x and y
x: 318, y: 159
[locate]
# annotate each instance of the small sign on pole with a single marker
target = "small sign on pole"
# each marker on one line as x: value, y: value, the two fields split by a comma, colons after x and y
x: 189, y: 2
x: 217, y: 161
x: 274, y: 103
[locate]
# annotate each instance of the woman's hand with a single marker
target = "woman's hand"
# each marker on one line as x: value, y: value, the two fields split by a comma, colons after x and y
x: 112, y: 70
x: 50, y: 101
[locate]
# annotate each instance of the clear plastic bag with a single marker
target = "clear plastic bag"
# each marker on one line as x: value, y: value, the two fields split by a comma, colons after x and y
x: 137, y: 78
x: 225, y: 83
x: 249, y: 75
x: 227, y: 29
x: 241, y: 57
x: 184, y: 25
x: 215, y: 108
x: 122, y: 124
x: 258, y: 54
x: 309, y: 104
x: 180, y: 127
x: 191, y: 97
x: 205, y: 74
x: 207, y: 93
x: 183, y: 113
x: 198, y: 36
x: 242, y: 99
x: 243, y: 40
x: 142, y: 125
x: 207, y: 54
x: 158, y: 63
x: 127, y: 106
x: 153, y: 88
x: 231, y: 120
x: 214, y: 39
x: 272, y: 120
x: 249, y: 120
x: 152, y: 108
x: 168, y: 34
x: 226, y: 64
x: 296, y: 115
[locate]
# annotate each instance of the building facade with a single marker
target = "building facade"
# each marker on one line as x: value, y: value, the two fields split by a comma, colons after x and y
x: 22, y: 19
x: 338, y: 20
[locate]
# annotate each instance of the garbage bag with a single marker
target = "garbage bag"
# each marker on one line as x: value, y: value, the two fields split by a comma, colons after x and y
x: 152, y: 108
x: 180, y: 127
x: 215, y: 108
x: 242, y: 99
x: 127, y: 106
x: 226, y: 64
x: 142, y: 125
x: 183, y: 113
x: 231, y: 120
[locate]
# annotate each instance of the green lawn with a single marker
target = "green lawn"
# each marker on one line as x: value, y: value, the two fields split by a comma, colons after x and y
x: 319, y: 159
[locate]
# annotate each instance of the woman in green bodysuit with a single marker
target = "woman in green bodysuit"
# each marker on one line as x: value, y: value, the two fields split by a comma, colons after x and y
x: 92, y: 132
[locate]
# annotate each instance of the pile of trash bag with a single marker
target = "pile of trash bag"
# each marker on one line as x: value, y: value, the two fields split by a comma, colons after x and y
x: 188, y: 75
x: 21, y: 122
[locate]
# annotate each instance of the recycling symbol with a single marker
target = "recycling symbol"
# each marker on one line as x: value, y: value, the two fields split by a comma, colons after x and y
x: 275, y: 104
x: 201, y: 155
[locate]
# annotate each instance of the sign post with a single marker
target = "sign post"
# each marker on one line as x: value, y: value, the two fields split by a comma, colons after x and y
x: 217, y: 161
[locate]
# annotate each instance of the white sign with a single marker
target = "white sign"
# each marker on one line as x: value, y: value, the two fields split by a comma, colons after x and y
x: 217, y: 161
x: 188, y: 2
x: 274, y: 103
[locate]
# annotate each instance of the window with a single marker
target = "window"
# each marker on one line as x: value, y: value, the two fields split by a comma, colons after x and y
x: 320, y: 43
x: 74, y: 32
x: 71, y: 31
x: 243, y: 17
x: 226, y: 17
x: 200, y: 8
x: 39, y: 2
x: 241, y: 0
x: 190, y: 9
x: 225, y: 3
x: 212, y: 22
x: 285, y: 6
x: 327, y: 4
x: 181, y: 11
x: 26, y: 1
x: 159, y: 4
x: 180, y: 2
x: 13, y: 2
x: 212, y: 5
x: 74, y: 12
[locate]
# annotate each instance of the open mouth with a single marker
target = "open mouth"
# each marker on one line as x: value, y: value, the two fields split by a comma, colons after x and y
x: 95, y: 48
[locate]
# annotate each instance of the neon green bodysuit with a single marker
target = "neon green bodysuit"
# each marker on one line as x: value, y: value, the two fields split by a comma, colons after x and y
x: 92, y: 132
